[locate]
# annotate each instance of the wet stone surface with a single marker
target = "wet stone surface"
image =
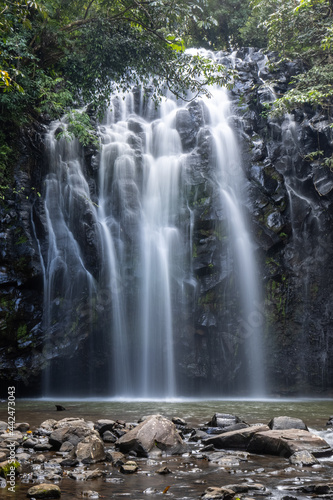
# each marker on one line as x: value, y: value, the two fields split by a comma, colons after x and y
x: 202, y: 471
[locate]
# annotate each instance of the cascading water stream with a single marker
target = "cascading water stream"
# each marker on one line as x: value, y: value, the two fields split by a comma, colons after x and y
x: 66, y: 279
x: 143, y: 228
x: 231, y: 180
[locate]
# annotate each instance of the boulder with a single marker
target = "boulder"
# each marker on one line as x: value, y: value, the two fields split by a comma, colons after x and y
x: 223, y: 420
x: 72, y: 421
x: 287, y: 442
x: 109, y: 437
x: 30, y: 443
x: 74, y: 432
x: 104, y: 425
x: 238, y: 439
x: 282, y: 423
x: 3, y: 426
x: 116, y: 458
x: 48, y: 425
x: 303, y: 458
x: 90, y: 450
x: 154, y: 431
x: 44, y: 490
x: 22, y: 426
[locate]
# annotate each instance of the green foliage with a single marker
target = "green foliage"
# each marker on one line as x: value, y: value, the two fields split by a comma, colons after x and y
x: 301, y: 29
x: 218, y: 25
x: 56, y: 54
x: 79, y: 126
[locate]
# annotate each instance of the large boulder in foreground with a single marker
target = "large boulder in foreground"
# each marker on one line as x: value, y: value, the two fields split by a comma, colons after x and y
x: 287, y: 442
x: 154, y: 431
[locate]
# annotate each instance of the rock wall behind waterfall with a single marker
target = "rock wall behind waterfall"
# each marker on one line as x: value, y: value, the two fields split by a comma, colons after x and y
x: 288, y: 203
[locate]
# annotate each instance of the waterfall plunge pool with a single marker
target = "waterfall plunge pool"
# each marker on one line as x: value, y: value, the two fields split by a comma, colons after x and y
x: 314, y: 412
x: 190, y: 475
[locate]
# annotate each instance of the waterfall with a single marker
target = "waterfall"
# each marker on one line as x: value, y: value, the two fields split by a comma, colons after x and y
x: 122, y: 244
x: 231, y: 180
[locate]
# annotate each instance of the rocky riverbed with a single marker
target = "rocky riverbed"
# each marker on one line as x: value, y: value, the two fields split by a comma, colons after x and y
x: 225, y: 458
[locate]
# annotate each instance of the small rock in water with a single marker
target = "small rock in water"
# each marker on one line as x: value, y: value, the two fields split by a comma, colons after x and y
x: 163, y: 470
x: 303, y: 458
x: 129, y: 468
x: 89, y: 494
x: 179, y: 421
x: 150, y: 491
x: 60, y: 408
x: 44, y: 490
x: 218, y: 493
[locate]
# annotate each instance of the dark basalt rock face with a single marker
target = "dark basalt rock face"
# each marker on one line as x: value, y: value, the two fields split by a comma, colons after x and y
x: 288, y: 205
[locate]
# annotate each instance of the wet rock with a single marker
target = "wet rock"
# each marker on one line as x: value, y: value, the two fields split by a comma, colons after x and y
x: 198, y: 435
x: 330, y: 420
x: 72, y: 431
x: 48, y: 425
x: 217, y: 493
x: 104, y: 425
x: 89, y: 494
x: 3, y: 426
x: 186, y: 128
x: 83, y: 475
x: 90, y: 450
x: 322, y: 489
x: 66, y: 447
x: 6, y: 467
x: 163, y: 471
x: 246, y: 487
x: 60, y: 408
x: 303, y: 458
x: 116, y: 457
x: 223, y: 420
x: 154, y: 431
x: 179, y: 421
x: 39, y: 459
x: 281, y: 423
x: 12, y: 436
x: 129, y: 467
x: 44, y: 490
x: 287, y: 442
x: 238, y: 439
x: 109, y: 437
x: 69, y: 462
x: 43, y: 447
x: 30, y: 443
x: 22, y: 427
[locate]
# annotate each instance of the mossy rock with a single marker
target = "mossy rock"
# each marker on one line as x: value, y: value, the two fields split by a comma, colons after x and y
x: 5, y: 467
x: 44, y: 490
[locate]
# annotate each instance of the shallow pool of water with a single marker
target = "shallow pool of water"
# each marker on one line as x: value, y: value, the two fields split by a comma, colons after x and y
x: 190, y: 475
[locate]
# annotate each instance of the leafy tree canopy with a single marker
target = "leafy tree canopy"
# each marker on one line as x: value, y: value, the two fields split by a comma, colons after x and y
x: 55, y: 54
x: 301, y: 29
